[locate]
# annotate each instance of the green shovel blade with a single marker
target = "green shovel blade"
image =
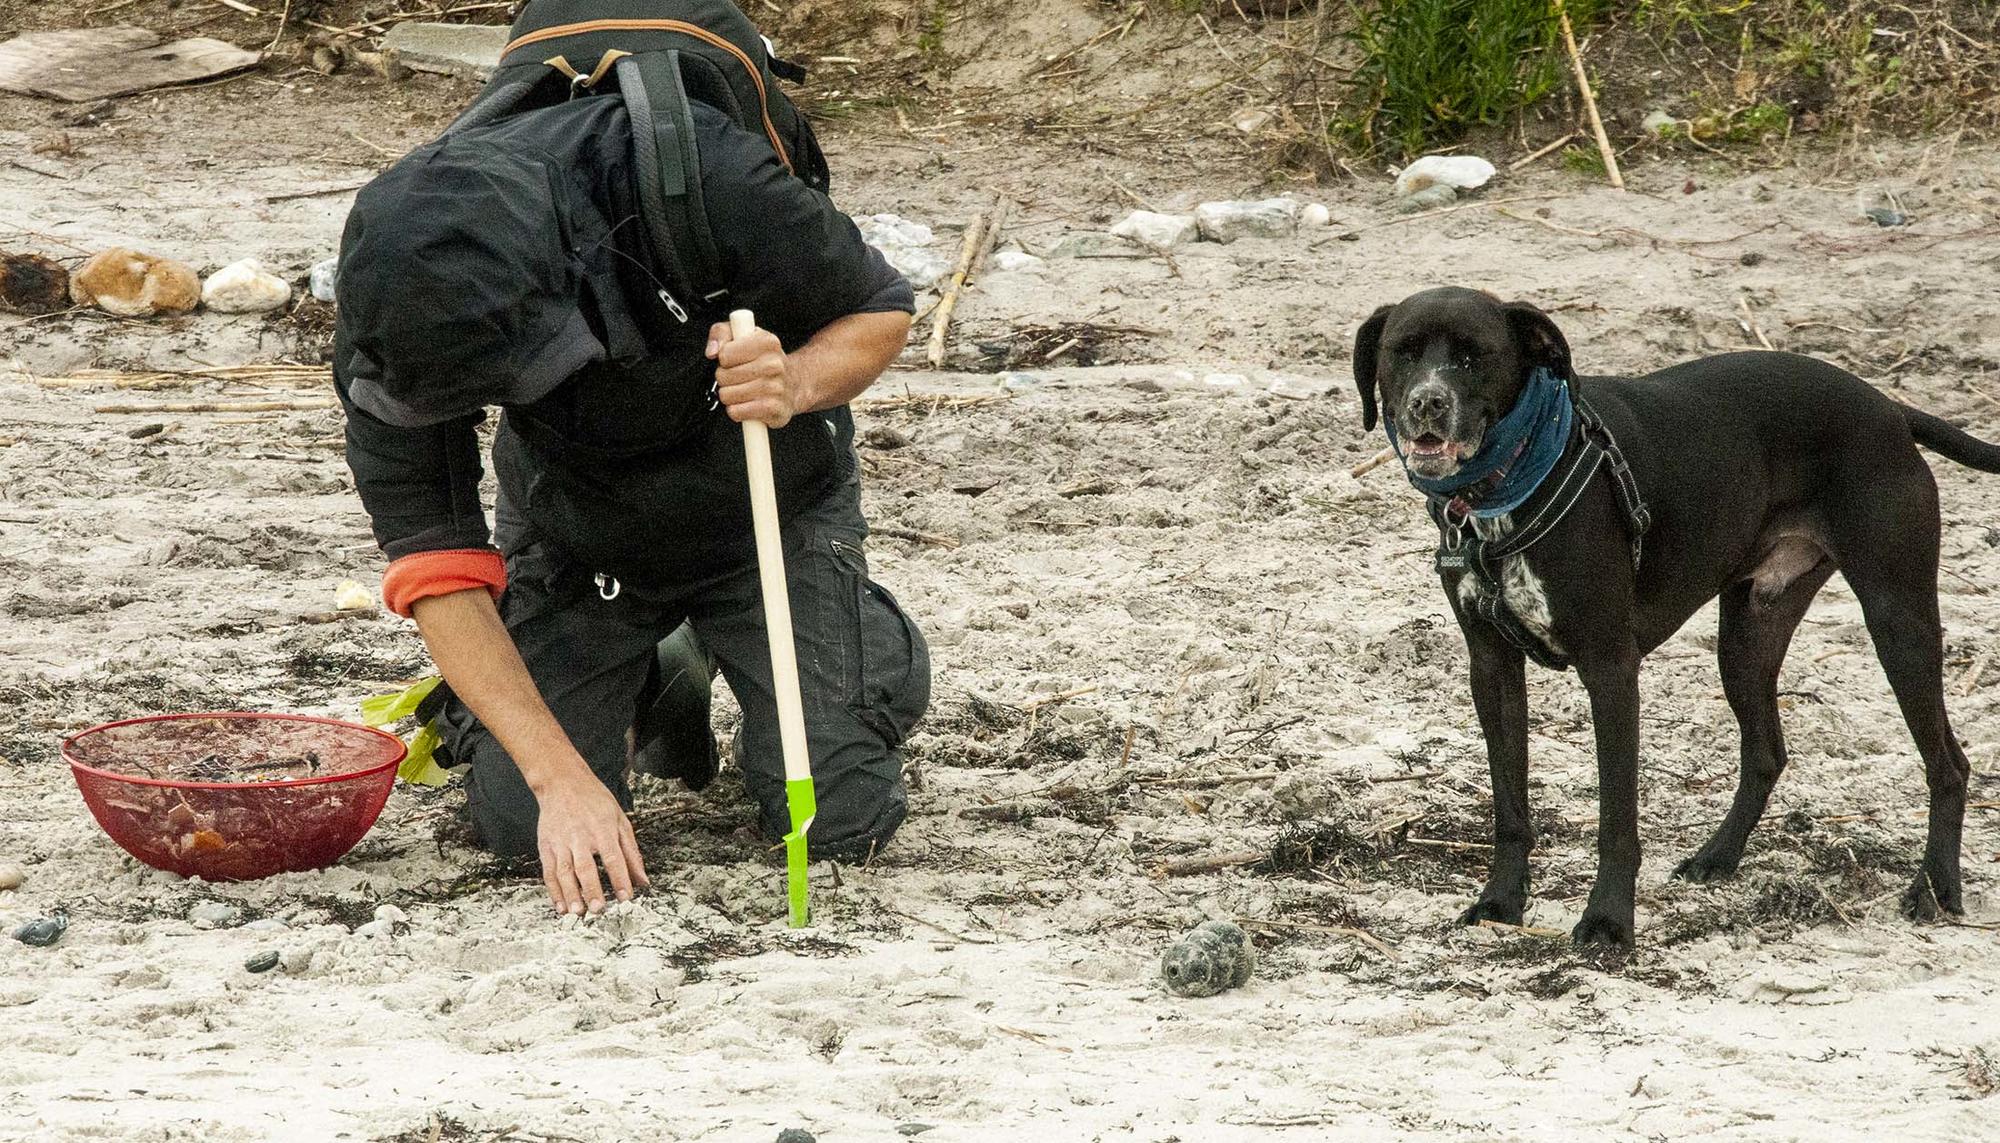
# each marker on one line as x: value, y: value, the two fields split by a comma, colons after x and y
x: 799, y: 795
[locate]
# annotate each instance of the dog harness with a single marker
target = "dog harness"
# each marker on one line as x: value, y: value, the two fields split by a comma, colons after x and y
x: 1462, y: 549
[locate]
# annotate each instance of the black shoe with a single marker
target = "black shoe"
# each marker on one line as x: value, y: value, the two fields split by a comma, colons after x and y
x: 671, y: 735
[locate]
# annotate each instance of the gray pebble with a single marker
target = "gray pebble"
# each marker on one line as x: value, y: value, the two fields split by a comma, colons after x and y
x: 1214, y: 958
x: 794, y: 1135
x: 1430, y: 198
x: 42, y: 932
x: 263, y: 961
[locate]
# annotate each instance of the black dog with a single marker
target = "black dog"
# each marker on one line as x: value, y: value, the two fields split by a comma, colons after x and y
x: 1749, y: 476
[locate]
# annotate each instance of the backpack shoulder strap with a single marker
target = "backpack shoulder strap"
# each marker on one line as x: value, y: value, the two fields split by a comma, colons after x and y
x: 668, y: 173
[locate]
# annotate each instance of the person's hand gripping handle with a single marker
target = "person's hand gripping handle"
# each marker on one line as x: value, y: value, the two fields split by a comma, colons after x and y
x: 784, y: 652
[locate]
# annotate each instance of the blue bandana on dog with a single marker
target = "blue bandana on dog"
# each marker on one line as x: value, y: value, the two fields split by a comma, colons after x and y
x: 1517, y: 454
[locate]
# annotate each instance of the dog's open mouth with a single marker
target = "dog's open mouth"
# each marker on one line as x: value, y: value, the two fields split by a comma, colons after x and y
x: 1431, y: 446
x: 1433, y: 456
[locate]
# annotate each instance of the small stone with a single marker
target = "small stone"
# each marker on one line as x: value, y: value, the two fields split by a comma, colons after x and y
x: 1429, y: 198
x: 263, y: 961
x: 448, y: 49
x: 32, y: 284
x: 1016, y: 381
x: 325, y: 279
x: 128, y: 283
x: 1750, y: 258
x: 11, y: 876
x: 390, y: 915
x: 42, y: 932
x: 906, y: 246
x: 1014, y: 261
x: 1887, y: 216
x: 912, y: 1130
x: 245, y: 288
x: 351, y: 596
x: 795, y: 1135
x: 214, y: 915
x: 1460, y: 172
x: 374, y: 929
x: 1315, y: 215
x: 1215, y: 957
x: 1161, y: 231
x: 266, y: 925
x: 1226, y: 222
x: 884, y: 438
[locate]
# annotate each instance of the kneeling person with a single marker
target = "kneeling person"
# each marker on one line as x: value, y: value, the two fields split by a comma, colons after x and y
x: 510, y: 266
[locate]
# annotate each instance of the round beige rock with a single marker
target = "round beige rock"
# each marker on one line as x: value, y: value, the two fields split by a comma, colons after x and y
x: 128, y: 283
x: 11, y: 876
x: 244, y: 288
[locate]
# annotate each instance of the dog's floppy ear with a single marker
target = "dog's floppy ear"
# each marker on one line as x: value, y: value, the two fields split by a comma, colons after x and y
x: 1541, y: 343
x: 1367, y: 352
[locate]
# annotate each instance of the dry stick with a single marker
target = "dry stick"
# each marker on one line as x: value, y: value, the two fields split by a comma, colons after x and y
x: 1544, y: 153
x: 313, y: 193
x: 221, y: 407
x: 975, y: 237
x: 1970, y: 679
x: 1524, y: 930
x: 1372, y: 463
x: 1589, y: 101
x: 1362, y: 935
x: 1750, y: 325
x: 284, y: 21
x: 1035, y: 704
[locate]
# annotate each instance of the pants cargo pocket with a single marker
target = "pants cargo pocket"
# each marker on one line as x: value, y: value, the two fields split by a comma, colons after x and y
x: 891, y: 675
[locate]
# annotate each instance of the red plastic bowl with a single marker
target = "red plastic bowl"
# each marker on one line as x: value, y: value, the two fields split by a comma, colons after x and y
x: 131, y: 776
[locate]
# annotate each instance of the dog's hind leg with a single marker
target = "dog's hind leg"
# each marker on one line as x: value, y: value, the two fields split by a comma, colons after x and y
x: 1891, y: 560
x: 1755, y: 632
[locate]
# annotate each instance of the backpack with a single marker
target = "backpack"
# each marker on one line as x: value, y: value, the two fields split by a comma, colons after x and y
x: 657, y: 56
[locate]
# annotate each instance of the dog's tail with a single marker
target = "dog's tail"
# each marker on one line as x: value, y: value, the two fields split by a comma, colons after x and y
x: 1950, y: 441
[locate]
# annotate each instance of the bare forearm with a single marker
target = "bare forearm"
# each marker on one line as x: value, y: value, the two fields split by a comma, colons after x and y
x: 473, y: 651
x: 844, y: 359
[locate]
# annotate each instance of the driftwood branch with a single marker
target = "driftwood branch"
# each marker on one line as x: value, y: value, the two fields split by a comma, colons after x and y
x: 1589, y: 101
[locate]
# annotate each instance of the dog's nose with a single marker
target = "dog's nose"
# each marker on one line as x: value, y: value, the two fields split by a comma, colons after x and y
x: 1430, y: 404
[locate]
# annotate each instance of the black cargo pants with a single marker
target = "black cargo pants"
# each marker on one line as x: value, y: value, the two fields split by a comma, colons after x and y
x: 864, y: 671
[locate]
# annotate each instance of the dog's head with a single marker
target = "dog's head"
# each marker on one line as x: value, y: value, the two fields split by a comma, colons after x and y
x: 1448, y: 363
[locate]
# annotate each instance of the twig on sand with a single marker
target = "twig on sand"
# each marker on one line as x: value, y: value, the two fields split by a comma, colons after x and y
x: 975, y: 241
x: 1362, y: 935
x: 1543, y: 153
x: 221, y: 407
x: 290, y: 195
x: 1372, y: 463
x: 1040, y: 701
x: 916, y: 537
x: 1523, y: 930
x: 1970, y: 679
x: 1750, y: 325
x: 1589, y: 101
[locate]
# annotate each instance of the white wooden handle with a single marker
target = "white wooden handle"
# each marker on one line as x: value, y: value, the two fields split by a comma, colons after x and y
x: 771, y: 572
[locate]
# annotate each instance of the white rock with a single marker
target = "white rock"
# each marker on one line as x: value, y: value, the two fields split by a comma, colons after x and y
x: 1460, y: 172
x: 351, y: 596
x: 906, y: 245
x: 11, y: 877
x: 1228, y: 221
x: 1014, y: 260
x: 1657, y: 122
x: 1251, y: 120
x: 214, y: 915
x: 326, y: 279
x: 374, y: 929
x: 390, y: 915
x: 1161, y: 231
x: 1226, y: 380
x: 244, y: 288
x: 267, y: 925
x: 1315, y: 214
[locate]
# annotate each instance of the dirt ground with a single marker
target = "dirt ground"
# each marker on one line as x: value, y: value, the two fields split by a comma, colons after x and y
x: 1167, y: 623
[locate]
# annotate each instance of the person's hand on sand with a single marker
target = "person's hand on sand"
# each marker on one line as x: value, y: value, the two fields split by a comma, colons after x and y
x: 581, y: 825
x: 753, y: 378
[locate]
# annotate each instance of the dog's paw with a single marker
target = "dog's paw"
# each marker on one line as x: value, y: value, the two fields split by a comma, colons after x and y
x: 1927, y: 900
x: 1704, y: 867
x: 1601, y: 929
x: 1488, y: 910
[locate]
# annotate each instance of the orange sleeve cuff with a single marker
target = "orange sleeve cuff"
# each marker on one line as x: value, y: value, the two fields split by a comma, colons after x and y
x: 425, y: 574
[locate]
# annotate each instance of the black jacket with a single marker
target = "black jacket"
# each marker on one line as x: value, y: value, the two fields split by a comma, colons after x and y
x: 624, y: 460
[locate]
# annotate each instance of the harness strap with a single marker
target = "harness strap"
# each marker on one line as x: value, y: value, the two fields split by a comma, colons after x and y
x: 1462, y: 549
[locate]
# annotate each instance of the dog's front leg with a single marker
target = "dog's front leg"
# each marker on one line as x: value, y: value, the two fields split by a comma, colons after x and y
x: 1500, y: 694
x: 1613, y: 683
